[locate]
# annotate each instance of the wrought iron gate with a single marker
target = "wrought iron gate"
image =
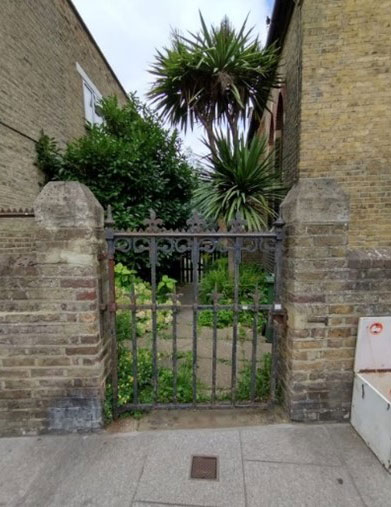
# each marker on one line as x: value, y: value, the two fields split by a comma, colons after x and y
x: 197, y: 239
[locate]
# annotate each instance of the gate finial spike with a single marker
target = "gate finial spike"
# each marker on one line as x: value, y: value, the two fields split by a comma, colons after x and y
x: 109, y: 222
x: 152, y: 223
x: 279, y: 222
x: 196, y: 223
x: 238, y: 224
x: 278, y: 226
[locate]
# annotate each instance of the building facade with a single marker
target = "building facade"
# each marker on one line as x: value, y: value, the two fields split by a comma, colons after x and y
x: 331, y: 122
x: 52, y: 74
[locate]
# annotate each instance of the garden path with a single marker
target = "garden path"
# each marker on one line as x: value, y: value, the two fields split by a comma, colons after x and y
x: 205, y: 343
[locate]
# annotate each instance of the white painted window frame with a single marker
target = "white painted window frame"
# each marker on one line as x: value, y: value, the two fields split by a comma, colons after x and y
x: 97, y: 96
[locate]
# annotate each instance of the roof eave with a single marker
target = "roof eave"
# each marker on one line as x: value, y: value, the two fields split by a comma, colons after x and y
x: 281, y: 17
x: 80, y: 19
x: 279, y: 24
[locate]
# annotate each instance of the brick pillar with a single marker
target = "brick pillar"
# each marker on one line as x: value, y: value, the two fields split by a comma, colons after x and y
x: 52, y: 350
x: 317, y: 349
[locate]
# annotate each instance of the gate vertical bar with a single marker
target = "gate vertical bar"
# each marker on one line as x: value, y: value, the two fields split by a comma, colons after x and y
x: 109, y: 234
x: 195, y: 259
x: 256, y: 299
x: 237, y: 256
x: 279, y: 228
x: 174, y: 345
x: 214, y: 351
x: 133, y: 301
x: 153, y: 261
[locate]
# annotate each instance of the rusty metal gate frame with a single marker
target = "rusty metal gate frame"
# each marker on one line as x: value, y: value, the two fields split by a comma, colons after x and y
x: 196, y: 238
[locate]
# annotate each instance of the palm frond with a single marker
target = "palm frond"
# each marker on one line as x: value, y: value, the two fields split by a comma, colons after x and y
x: 216, y: 72
x: 240, y: 178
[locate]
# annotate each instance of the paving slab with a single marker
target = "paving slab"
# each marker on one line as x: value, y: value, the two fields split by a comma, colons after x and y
x: 22, y: 462
x: 93, y: 470
x: 372, y: 479
x: 302, y: 444
x: 166, y: 475
x: 154, y: 504
x: 277, y: 465
x: 287, y: 485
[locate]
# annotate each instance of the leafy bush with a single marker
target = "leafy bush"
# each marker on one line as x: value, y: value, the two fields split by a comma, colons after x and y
x: 131, y: 162
x: 218, y: 278
x: 166, y: 286
x: 184, y: 381
x: 145, y: 380
x: 124, y: 279
x: 262, y: 380
x: 224, y: 318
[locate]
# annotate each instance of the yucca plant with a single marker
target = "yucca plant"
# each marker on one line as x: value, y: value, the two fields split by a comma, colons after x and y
x: 240, y: 179
x: 213, y: 77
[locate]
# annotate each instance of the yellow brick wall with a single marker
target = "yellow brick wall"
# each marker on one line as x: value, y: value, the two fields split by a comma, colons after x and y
x: 40, y: 88
x: 346, y: 108
x: 289, y: 71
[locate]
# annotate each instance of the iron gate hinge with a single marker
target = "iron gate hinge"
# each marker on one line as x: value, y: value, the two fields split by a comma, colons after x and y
x: 113, y: 307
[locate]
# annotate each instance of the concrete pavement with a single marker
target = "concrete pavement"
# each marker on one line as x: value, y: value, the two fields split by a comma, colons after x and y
x: 273, y: 466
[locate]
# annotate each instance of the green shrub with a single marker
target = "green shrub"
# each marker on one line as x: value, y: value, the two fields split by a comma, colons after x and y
x: 145, y: 380
x: 217, y: 277
x: 131, y: 161
x: 184, y: 381
x: 166, y: 286
x: 124, y: 279
x: 262, y: 380
x: 224, y: 318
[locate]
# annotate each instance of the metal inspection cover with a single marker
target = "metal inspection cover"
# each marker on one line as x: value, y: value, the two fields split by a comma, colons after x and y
x: 204, y: 467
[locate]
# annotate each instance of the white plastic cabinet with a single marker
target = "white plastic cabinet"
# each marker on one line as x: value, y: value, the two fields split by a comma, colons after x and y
x: 371, y: 405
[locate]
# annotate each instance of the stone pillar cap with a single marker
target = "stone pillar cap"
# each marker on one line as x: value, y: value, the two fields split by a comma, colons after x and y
x: 316, y: 201
x: 68, y: 204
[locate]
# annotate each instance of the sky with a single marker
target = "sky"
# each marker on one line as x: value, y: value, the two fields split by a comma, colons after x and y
x: 129, y: 31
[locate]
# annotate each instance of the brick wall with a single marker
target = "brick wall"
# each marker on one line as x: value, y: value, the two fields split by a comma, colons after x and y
x: 54, y: 352
x: 328, y: 286
x: 291, y: 92
x: 335, y: 63
x: 338, y: 235
x: 318, y: 343
x: 344, y: 114
x: 289, y: 70
x: 40, y: 88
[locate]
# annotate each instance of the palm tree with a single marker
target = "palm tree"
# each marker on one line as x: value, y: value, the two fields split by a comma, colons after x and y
x: 240, y: 180
x: 214, y: 77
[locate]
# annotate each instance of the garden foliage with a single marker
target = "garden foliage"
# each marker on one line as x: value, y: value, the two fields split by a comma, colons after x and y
x: 130, y: 161
x: 251, y: 278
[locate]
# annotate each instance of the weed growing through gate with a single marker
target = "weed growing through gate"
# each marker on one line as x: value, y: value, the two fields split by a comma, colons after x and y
x: 262, y: 380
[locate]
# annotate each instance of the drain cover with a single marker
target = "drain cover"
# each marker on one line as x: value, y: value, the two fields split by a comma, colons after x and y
x: 204, y: 467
